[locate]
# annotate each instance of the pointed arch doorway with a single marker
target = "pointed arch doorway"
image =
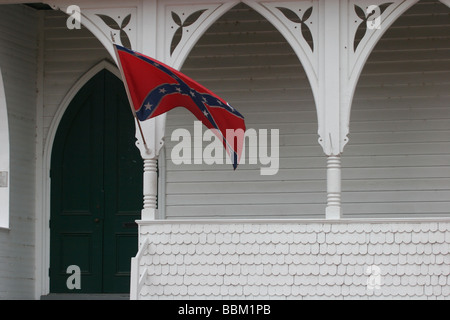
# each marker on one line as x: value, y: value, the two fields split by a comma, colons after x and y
x: 96, y: 190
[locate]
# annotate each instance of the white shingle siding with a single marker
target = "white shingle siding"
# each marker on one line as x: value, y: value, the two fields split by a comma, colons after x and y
x: 18, y: 61
x: 295, y: 260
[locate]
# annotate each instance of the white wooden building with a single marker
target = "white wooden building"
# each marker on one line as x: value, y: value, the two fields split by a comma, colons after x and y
x: 360, y: 205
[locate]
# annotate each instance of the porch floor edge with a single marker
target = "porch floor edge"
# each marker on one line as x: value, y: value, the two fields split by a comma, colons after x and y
x: 297, y: 221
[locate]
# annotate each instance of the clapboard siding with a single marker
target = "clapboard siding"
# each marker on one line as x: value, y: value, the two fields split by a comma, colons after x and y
x: 245, y: 60
x: 18, y: 60
x: 397, y: 163
x: 400, y: 122
x: 65, y: 60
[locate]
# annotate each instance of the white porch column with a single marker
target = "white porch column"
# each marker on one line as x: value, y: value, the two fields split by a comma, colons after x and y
x: 333, y: 62
x: 153, y: 133
x: 150, y: 189
x: 333, y: 210
x: 331, y: 102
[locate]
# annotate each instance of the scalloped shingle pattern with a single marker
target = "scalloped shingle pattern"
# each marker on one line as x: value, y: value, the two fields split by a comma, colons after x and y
x: 296, y: 261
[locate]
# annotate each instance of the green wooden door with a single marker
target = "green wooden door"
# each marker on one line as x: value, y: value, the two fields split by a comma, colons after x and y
x: 96, y: 190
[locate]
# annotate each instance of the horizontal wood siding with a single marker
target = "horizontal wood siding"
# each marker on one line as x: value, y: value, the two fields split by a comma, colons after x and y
x: 18, y: 60
x: 397, y: 163
x: 68, y: 55
x: 246, y: 61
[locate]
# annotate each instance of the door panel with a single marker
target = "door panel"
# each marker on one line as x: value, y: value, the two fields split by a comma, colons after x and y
x: 123, y: 187
x: 96, y: 186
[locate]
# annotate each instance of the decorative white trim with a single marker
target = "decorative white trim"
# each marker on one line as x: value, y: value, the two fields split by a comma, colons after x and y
x: 446, y: 2
x: 332, y: 63
x: 44, y: 214
x: 104, y: 64
x: 116, y: 11
x: 295, y: 261
x: 127, y: 28
x: 4, y: 159
x: 149, y: 212
x: 357, y: 60
x: 137, y: 280
x: 162, y: 184
x: 292, y: 33
x: 40, y: 223
x: 296, y: 221
x: 208, y: 14
x: 334, y: 210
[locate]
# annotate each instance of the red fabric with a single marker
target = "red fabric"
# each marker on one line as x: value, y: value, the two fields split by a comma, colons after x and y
x: 155, y: 88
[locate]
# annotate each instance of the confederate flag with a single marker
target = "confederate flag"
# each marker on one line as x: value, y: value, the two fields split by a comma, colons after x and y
x: 154, y: 88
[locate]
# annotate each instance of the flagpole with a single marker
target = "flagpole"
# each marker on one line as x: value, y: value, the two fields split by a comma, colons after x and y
x: 140, y: 130
x: 119, y: 64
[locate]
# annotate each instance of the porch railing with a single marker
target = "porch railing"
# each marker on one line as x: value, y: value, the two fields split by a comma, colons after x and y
x: 137, y: 280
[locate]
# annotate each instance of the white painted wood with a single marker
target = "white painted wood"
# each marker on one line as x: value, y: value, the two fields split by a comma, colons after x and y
x: 292, y: 32
x: 332, y: 82
x: 333, y: 210
x: 253, y: 74
x: 399, y: 142
x: 115, y: 10
x: 395, y: 165
x: 4, y: 159
x: 93, y: 18
x: 357, y: 59
x: 65, y: 63
x: 18, y: 56
x: 137, y: 279
x: 447, y: 2
x: 150, y: 189
x: 41, y: 242
x: 190, y: 33
x: 400, y: 117
x: 317, y: 259
x: 162, y: 185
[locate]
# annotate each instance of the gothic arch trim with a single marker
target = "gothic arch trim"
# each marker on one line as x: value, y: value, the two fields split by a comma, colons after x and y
x: 43, y: 228
x: 360, y: 58
x: 4, y: 158
x: 446, y: 2
x: 175, y: 57
x: 308, y: 57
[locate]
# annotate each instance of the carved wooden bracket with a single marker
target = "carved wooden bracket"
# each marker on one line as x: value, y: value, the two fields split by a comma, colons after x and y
x: 185, y: 24
x: 446, y: 2
x: 110, y: 22
x: 333, y: 40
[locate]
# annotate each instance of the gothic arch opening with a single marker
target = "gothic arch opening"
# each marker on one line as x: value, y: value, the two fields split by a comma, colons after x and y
x: 70, y: 59
x: 397, y: 161
x: 244, y: 59
x: 96, y: 183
